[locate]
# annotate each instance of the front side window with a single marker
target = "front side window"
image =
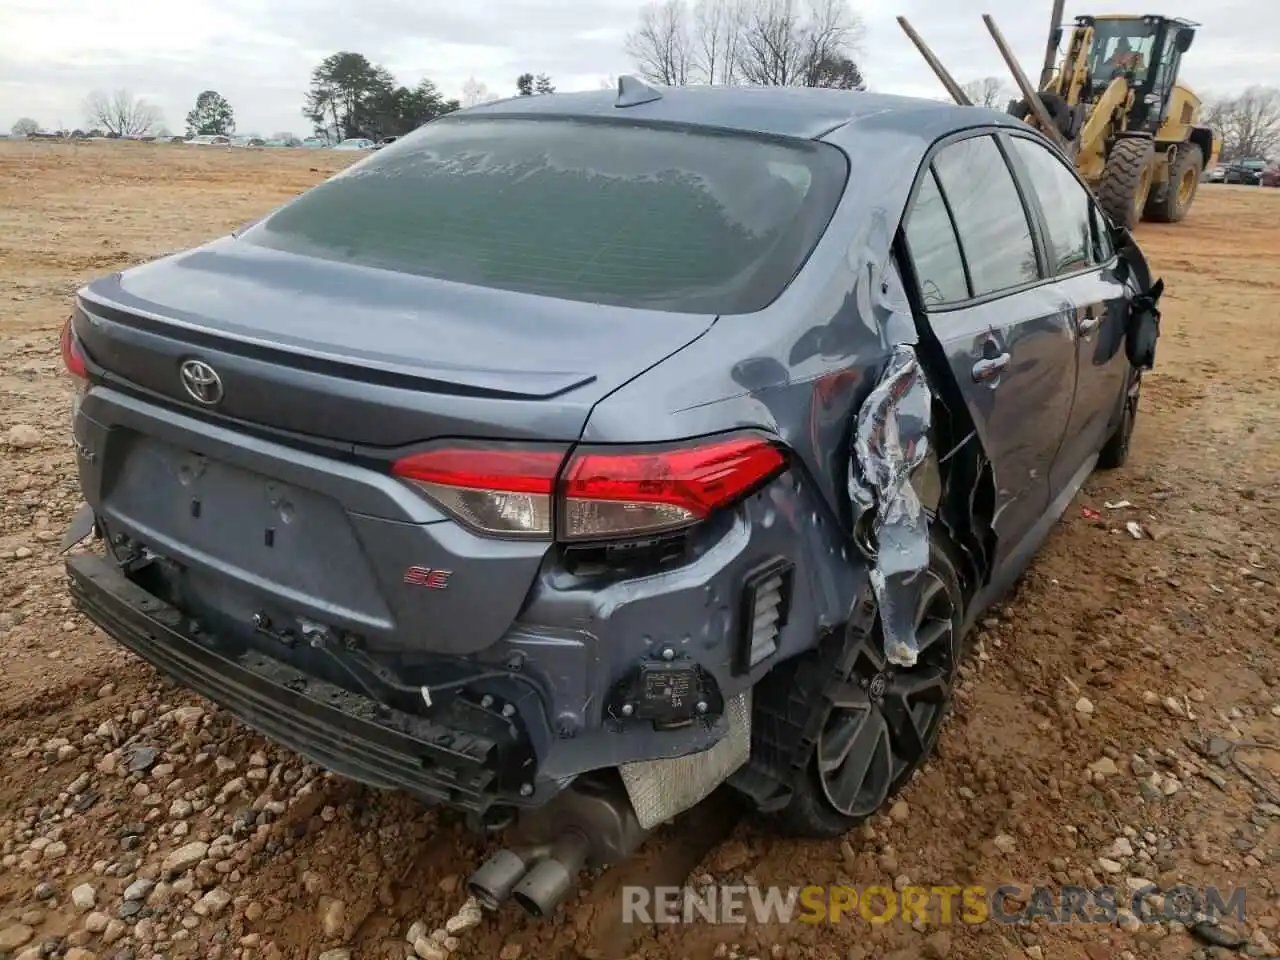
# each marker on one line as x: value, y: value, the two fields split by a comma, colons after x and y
x: 606, y: 212
x: 1067, y: 206
x: 1104, y: 248
x: 995, y: 234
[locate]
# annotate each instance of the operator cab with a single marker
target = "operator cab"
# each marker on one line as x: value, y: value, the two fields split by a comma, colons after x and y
x: 1147, y: 51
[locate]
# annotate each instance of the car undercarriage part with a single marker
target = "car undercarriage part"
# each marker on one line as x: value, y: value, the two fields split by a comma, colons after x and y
x: 590, y: 824
x: 661, y: 789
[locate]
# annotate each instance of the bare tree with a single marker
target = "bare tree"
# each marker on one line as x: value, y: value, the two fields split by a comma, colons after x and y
x: 1249, y: 123
x: 771, y: 54
x: 785, y: 43
x: 24, y: 127
x: 989, y: 92
x: 475, y: 92
x: 120, y: 113
x: 775, y: 43
x: 717, y: 34
x: 830, y: 33
x: 660, y: 44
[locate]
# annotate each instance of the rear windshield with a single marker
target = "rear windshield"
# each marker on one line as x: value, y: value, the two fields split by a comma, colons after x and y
x: 605, y: 212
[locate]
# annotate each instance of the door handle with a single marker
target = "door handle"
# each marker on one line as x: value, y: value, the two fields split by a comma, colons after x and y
x: 989, y: 368
x: 1088, y: 324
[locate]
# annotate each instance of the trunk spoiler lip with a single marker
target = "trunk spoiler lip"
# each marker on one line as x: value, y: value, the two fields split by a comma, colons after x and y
x: 97, y: 308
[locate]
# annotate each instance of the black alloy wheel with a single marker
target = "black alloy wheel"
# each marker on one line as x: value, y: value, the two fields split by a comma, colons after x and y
x: 1116, y: 450
x: 884, y: 719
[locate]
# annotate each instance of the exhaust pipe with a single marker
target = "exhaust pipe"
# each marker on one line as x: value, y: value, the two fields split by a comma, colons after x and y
x: 493, y: 881
x: 591, y: 824
x: 542, y: 889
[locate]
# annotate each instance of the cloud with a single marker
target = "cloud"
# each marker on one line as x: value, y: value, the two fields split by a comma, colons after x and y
x: 259, y: 53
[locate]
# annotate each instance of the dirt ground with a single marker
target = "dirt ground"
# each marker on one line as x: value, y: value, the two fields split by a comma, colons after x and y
x: 137, y: 821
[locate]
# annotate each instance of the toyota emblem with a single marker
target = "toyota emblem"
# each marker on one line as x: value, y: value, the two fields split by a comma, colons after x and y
x: 201, y: 382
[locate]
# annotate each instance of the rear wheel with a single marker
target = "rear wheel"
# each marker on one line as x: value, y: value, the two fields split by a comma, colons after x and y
x: 1116, y: 450
x: 880, y: 721
x: 1171, y: 201
x: 1126, y: 181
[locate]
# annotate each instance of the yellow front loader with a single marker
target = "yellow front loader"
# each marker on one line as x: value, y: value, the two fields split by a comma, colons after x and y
x: 1115, y: 106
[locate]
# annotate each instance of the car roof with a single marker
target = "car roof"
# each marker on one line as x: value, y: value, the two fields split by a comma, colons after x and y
x: 805, y: 112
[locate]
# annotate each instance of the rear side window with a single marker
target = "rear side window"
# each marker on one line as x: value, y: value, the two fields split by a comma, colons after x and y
x: 993, y: 227
x: 935, y: 251
x: 1066, y: 204
x: 605, y: 212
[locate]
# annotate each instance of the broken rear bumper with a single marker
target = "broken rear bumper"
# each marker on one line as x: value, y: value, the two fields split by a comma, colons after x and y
x: 467, y: 763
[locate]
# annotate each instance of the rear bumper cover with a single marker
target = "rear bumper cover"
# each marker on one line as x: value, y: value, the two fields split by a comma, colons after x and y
x: 439, y: 762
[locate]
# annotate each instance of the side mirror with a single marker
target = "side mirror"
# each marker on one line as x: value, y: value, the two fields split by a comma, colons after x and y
x: 1122, y: 240
x: 1122, y: 270
x: 1183, y: 43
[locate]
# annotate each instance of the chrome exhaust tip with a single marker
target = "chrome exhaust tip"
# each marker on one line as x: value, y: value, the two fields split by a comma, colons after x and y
x: 495, y: 879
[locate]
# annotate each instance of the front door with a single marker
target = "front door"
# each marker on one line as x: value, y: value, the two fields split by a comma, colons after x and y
x: 1082, y: 258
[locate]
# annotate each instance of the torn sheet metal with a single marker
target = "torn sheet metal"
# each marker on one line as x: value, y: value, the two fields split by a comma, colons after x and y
x: 891, y: 439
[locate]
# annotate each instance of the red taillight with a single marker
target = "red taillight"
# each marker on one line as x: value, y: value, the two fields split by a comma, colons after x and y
x: 496, y: 491
x: 610, y: 494
x: 603, y: 493
x: 72, y: 357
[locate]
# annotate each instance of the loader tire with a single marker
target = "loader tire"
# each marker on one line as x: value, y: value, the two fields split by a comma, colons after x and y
x: 1170, y: 202
x: 1126, y: 181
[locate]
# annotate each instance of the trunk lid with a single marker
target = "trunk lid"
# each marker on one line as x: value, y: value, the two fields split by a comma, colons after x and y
x: 364, y: 356
x: 275, y: 504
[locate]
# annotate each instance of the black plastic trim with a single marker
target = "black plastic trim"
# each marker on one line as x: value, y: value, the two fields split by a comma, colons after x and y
x: 440, y: 763
x: 777, y: 567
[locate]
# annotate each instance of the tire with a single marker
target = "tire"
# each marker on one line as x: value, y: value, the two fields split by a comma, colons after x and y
x: 1126, y: 181
x: 1170, y: 202
x: 811, y: 811
x: 1115, y: 452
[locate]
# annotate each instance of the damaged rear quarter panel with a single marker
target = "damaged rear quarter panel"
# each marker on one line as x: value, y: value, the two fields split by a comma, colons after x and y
x: 812, y: 358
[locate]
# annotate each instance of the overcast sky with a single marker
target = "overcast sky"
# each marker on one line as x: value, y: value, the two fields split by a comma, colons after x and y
x: 259, y: 53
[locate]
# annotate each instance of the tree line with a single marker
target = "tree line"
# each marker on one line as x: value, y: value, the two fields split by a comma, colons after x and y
x: 674, y: 42
x: 349, y: 96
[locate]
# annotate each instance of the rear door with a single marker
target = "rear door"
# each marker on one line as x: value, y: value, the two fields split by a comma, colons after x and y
x: 979, y: 261
x: 1082, y: 260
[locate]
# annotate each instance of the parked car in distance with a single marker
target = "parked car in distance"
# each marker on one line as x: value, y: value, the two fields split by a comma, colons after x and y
x: 516, y: 473
x: 315, y: 143
x: 248, y: 142
x: 1216, y: 174
x: 354, y: 143
x: 1247, y: 172
x: 385, y: 142
x: 210, y: 140
x: 1270, y: 177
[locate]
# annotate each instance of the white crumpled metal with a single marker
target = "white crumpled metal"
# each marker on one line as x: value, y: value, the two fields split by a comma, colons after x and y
x: 891, y: 439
